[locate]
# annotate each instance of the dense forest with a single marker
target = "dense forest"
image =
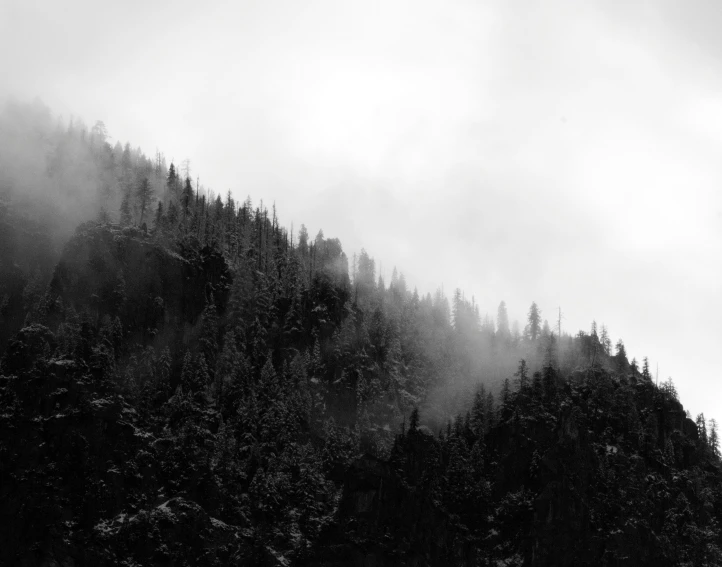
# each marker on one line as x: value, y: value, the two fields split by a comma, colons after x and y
x: 185, y: 381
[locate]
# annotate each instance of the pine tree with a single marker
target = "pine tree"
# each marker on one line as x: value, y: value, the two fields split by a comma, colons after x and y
x: 158, y: 221
x: 459, y: 477
x: 208, y: 341
x: 481, y: 491
x: 605, y: 341
x: 163, y: 373
x: 125, y: 214
x: 268, y: 386
x: 103, y: 216
x: 645, y: 369
x: 502, y: 322
x: 621, y: 356
x: 546, y: 329
x: 223, y: 450
x: 537, y: 387
x: 414, y: 419
x: 187, y: 374
x: 232, y: 371
x: 144, y: 195
x: 534, y: 321
x: 479, y: 414
x: 172, y: 219
x: 297, y: 379
x: 489, y: 409
x: 702, y: 428
x: 621, y: 351
x: 505, y: 393
x: 186, y: 198
x: 713, y: 439
x: 172, y: 181
x: 194, y: 374
x: 522, y: 373
x: 549, y: 382
x: 668, y: 388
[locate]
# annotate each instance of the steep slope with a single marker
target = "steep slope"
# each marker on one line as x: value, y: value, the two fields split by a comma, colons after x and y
x: 601, y: 471
x: 149, y: 412
x: 215, y: 390
x: 156, y: 293
x: 77, y: 456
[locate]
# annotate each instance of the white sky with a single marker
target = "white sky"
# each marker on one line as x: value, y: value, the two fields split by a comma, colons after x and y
x: 564, y: 152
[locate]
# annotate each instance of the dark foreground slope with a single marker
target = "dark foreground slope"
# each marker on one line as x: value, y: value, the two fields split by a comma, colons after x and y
x: 231, y: 399
x: 599, y: 470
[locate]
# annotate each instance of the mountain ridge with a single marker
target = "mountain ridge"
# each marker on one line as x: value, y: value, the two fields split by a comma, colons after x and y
x: 199, y: 386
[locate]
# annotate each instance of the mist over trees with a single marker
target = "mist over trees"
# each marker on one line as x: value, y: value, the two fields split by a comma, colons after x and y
x: 198, y: 383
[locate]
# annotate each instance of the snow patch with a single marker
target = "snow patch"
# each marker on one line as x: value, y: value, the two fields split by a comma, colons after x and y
x: 219, y: 524
x: 278, y: 557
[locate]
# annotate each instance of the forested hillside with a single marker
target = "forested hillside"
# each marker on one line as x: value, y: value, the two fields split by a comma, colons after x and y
x: 185, y: 381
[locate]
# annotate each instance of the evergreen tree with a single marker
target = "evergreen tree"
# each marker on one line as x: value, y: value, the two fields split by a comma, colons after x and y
x: 125, y: 214
x: 186, y: 198
x: 522, y: 374
x: 546, y: 329
x: 208, y: 340
x: 621, y: 356
x: 194, y: 375
x: 163, y: 376
x: 172, y: 219
x: 605, y: 341
x: 502, y: 322
x: 144, y: 195
x: 669, y: 388
x: 223, y: 450
x: 268, y: 386
x: 634, y: 365
x: 103, y: 216
x: 534, y: 322
x: 645, y: 369
x: 479, y: 413
x: 505, y: 393
x: 414, y: 419
x: 172, y: 181
x: 158, y: 221
x: 713, y: 439
x: 549, y: 383
x: 459, y: 476
x: 702, y: 428
x: 490, y: 410
x: 621, y: 351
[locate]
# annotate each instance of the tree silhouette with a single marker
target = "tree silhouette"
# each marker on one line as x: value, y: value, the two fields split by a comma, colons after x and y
x: 534, y: 322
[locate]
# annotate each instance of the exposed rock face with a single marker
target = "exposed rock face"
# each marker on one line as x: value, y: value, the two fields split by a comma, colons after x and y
x: 383, y: 520
x: 155, y: 291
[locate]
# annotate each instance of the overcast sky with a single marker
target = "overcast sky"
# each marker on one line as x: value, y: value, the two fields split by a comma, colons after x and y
x: 564, y: 152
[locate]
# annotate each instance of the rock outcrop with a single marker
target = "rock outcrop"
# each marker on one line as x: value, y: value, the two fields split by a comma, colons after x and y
x: 156, y: 291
